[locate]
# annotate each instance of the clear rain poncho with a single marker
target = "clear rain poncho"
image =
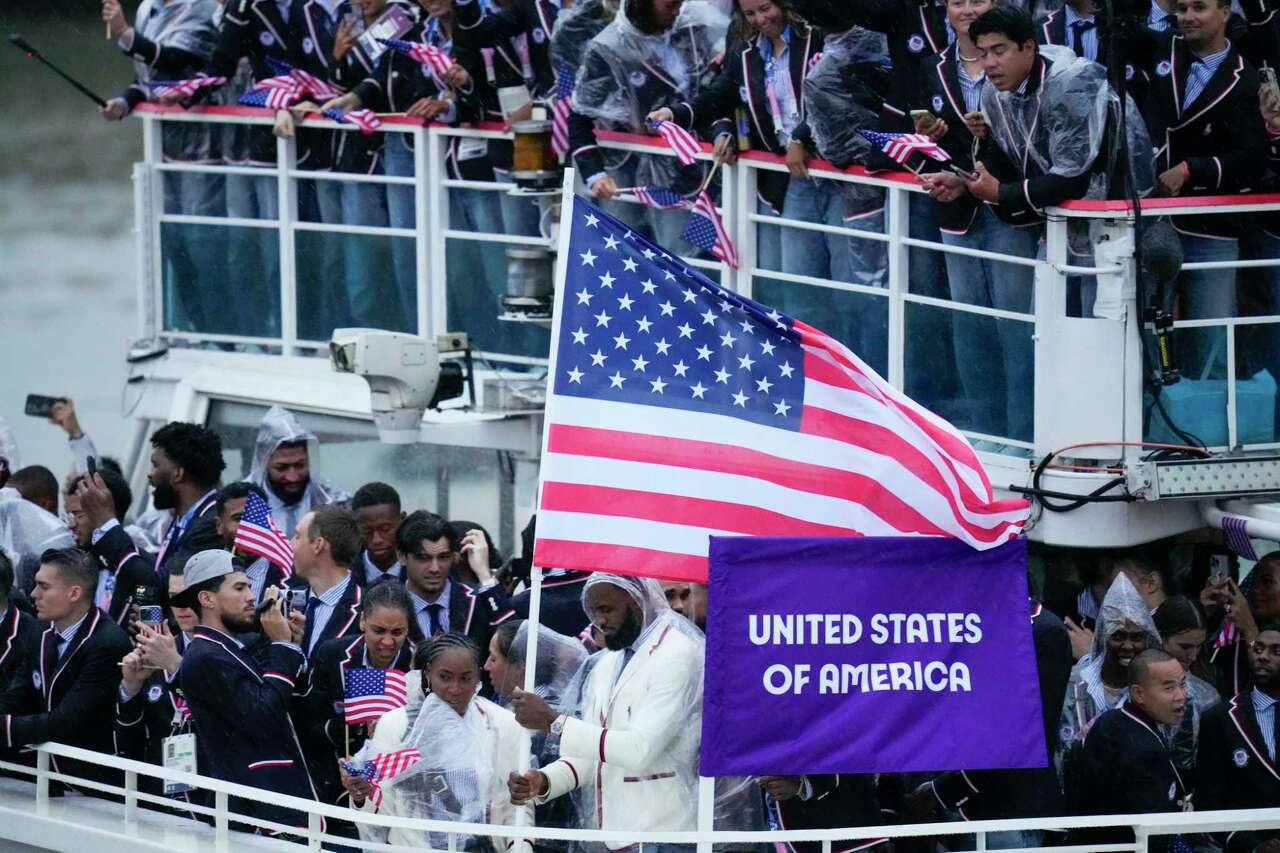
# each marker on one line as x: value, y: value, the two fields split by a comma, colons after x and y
x: 26, y: 531
x: 191, y: 26
x: 576, y: 26
x: 280, y: 426
x: 661, y: 736
x: 1060, y: 127
x: 462, y: 776
x: 1087, y: 697
x: 620, y: 59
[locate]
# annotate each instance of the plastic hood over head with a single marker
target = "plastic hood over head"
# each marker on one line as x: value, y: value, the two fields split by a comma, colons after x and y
x: 1123, y: 607
x: 645, y: 592
x: 577, y: 26
x: 26, y: 531
x: 841, y: 97
x: 280, y: 426
x: 559, y: 659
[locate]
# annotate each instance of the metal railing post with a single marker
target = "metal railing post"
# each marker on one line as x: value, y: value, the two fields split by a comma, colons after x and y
x: 744, y: 205
x: 313, y: 831
x: 1233, y: 437
x: 1050, y: 308
x: 130, y: 796
x: 221, y: 826
x: 42, y: 782
x: 422, y: 218
x: 143, y: 238
x: 980, y: 840
x: 286, y: 162
x: 706, y: 811
x: 152, y: 153
x: 437, y: 221
x: 1141, y: 841
x: 899, y: 283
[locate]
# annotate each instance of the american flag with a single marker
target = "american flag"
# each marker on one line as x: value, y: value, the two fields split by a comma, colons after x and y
x: 679, y: 140
x: 366, y: 120
x: 183, y: 89
x: 426, y: 54
x: 1235, y: 529
x: 900, y: 146
x: 679, y: 410
x: 258, y: 534
x: 705, y: 230
x: 270, y: 98
x: 565, y: 82
x: 381, y: 767
x: 660, y: 197
x: 369, y: 693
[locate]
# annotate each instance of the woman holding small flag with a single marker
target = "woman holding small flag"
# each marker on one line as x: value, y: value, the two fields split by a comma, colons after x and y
x: 347, y: 674
x: 446, y: 759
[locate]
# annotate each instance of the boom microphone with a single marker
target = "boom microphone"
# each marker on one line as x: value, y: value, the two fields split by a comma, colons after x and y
x: 27, y: 48
x: 1162, y: 259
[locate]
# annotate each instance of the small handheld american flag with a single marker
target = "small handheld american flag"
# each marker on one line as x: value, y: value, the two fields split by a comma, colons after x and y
x: 679, y: 140
x: 366, y: 120
x: 369, y: 693
x: 183, y: 89
x: 900, y: 146
x: 258, y: 534
x: 270, y: 98
x: 660, y: 198
x: 426, y: 54
x: 566, y: 80
x: 705, y: 230
x: 381, y: 767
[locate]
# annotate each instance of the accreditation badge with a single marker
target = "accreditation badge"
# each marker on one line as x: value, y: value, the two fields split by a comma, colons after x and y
x: 179, y: 753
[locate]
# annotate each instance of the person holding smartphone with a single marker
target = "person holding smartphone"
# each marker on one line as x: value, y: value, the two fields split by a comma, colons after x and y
x: 994, y: 358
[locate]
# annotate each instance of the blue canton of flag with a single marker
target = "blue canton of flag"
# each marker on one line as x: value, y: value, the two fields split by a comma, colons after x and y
x: 639, y: 326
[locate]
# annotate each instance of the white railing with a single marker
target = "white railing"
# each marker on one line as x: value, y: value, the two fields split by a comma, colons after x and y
x: 1088, y: 370
x: 134, y: 814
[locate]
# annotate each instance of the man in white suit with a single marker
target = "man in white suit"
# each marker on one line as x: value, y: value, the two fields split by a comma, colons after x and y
x: 633, y: 740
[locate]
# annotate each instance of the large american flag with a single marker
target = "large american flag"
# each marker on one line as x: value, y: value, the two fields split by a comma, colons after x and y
x: 258, y: 534
x: 678, y: 410
x: 566, y: 80
x: 425, y: 54
x: 900, y: 146
x: 368, y: 693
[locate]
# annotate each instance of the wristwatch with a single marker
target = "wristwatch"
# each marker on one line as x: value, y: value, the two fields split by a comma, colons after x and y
x: 557, y: 725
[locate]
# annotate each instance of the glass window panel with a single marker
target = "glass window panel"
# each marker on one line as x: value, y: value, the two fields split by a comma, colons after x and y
x: 354, y: 280
x: 197, y: 262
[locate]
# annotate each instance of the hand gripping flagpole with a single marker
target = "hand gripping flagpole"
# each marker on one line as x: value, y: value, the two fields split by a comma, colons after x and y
x: 535, y: 573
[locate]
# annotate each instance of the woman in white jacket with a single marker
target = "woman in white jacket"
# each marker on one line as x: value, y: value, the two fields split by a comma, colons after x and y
x: 468, y: 746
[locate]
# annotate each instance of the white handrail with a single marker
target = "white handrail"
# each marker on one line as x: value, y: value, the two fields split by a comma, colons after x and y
x: 1143, y: 824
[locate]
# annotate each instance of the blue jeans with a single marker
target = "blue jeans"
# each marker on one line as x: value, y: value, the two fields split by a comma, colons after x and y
x: 520, y: 216
x: 397, y: 161
x: 930, y: 370
x: 254, y: 197
x: 815, y: 253
x: 995, y: 358
x: 1202, y: 295
x: 368, y: 272
x: 193, y: 255
x: 768, y: 240
x: 477, y: 296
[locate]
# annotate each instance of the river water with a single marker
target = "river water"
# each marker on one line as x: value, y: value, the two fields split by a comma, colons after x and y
x: 66, y: 240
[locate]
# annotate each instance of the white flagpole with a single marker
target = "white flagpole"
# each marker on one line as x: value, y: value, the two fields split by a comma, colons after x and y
x: 535, y: 573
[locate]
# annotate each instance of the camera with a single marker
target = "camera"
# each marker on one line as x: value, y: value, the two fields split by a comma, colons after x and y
x: 404, y: 373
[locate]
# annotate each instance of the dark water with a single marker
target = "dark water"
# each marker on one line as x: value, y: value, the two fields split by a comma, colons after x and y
x: 66, y: 219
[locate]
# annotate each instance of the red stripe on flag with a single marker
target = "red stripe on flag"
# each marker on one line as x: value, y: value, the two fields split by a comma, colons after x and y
x: 622, y: 559
x: 679, y: 509
x: 728, y: 459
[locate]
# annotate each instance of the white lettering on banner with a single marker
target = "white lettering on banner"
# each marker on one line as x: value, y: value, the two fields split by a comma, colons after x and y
x: 882, y: 629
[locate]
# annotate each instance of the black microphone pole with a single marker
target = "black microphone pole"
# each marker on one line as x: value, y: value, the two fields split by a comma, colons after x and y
x: 25, y: 46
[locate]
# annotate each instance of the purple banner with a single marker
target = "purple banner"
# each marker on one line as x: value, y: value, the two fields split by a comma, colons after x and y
x: 868, y: 655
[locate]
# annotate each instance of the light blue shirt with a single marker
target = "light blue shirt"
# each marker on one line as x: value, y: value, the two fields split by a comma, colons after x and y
x: 781, y: 94
x: 420, y: 606
x: 66, y: 635
x: 970, y: 88
x: 1264, y: 708
x: 328, y: 603
x: 1158, y: 19
x: 1200, y: 73
x: 373, y: 574
x: 1088, y: 39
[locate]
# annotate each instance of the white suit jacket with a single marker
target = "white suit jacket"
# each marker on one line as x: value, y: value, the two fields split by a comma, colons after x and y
x: 635, y: 750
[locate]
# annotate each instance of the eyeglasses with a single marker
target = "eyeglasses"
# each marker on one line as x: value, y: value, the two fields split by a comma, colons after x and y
x: 1271, y: 650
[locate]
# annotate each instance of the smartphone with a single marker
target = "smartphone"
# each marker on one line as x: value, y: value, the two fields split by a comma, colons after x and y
x: 1266, y: 74
x: 1219, y: 564
x: 151, y: 614
x: 92, y: 465
x: 916, y: 115
x: 40, y: 406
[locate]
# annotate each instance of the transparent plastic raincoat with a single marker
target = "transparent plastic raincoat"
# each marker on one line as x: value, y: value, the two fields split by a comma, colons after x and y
x: 26, y: 531
x: 9, y: 447
x: 280, y: 426
x: 621, y: 58
x: 191, y: 26
x: 577, y: 26
x: 1087, y: 697
x: 631, y: 744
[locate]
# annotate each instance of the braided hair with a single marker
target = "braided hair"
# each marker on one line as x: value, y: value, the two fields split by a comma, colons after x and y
x: 427, y: 653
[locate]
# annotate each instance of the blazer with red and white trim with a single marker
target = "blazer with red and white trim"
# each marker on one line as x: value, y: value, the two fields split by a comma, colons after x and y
x: 241, y: 714
x: 69, y: 699
x: 1220, y: 135
x: 1234, y: 770
x: 118, y: 555
x: 19, y: 640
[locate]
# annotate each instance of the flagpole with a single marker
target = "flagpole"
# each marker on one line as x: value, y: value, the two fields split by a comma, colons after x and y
x: 535, y: 572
